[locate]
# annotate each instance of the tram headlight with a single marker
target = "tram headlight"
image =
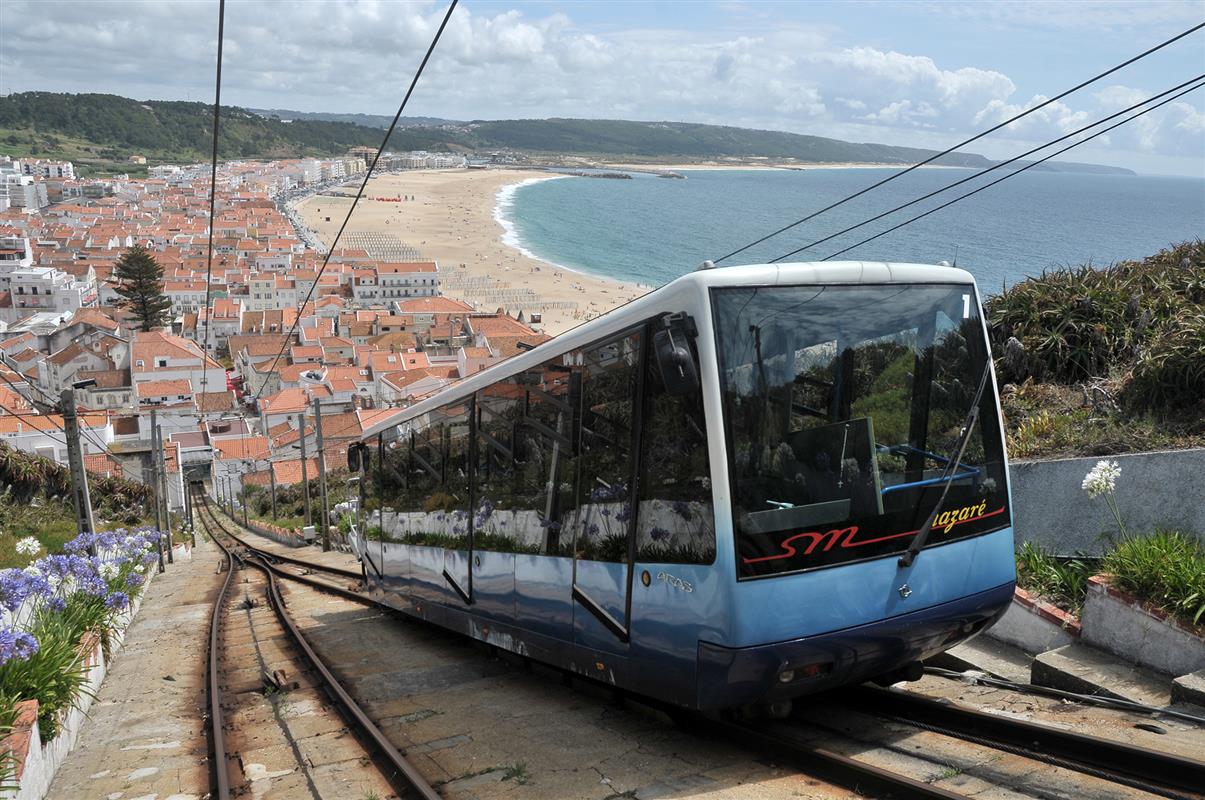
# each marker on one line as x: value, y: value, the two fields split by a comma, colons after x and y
x: 786, y: 676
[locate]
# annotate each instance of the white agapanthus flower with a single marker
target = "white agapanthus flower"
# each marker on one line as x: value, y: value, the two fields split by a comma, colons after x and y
x: 29, y: 546
x: 139, y: 568
x: 54, y: 580
x: 33, y: 571
x: 108, y: 570
x: 1102, y: 478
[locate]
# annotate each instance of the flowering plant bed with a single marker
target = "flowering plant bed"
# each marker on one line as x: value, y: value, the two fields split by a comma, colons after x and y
x: 59, y: 617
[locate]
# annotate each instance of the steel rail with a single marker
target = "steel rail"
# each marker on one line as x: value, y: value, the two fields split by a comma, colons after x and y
x: 344, y: 573
x: 415, y: 784
x: 217, y: 737
x: 1139, y: 767
x: 268, y: 555
x: 821, y: 762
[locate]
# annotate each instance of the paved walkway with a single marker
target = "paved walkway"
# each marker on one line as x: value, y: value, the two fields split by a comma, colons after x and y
x: 145, y: 734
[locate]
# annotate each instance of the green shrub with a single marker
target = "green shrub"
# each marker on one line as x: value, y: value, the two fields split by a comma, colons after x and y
x: 1079, y: 323
x: 1166, y: 568
x: 1171, y: 371
x: 1063, y: 582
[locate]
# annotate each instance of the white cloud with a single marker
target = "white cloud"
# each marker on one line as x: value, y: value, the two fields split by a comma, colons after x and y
x: 328, y: 56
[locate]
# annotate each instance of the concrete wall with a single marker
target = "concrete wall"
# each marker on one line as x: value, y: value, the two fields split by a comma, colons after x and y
x: 1165, y: 489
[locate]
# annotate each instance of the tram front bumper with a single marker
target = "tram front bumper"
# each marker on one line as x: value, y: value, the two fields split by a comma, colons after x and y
x: 734, y: 677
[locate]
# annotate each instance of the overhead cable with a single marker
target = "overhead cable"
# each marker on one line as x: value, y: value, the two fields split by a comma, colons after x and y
x: 1015, y: 173
x: 363, y: 184
x: 964, y: 143
x: 992, y: 168
x: 213, y: 188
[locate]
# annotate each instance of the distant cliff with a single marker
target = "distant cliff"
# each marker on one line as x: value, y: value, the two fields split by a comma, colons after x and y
x: 107, y: 128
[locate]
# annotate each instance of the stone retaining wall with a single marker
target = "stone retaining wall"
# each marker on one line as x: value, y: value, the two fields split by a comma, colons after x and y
x: 1164, y: 489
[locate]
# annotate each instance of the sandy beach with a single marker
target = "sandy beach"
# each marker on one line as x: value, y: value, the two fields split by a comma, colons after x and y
x: 451, y: 220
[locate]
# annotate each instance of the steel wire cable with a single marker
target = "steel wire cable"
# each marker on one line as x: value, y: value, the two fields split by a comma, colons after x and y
x: 360, y: 193
x: 1014, y: 173
x: 213, y: 189
x: 990, y: 169
x: 974, y: 138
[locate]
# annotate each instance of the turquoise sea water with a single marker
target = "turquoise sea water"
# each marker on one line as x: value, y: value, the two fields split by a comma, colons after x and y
x: 651, y: 229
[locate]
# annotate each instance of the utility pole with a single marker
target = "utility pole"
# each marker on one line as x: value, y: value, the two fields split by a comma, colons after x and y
x: 163, y: 494
x: 155, y: 472
x: 272, y: 480
x: 157, y: 489
x: 75, y: 457
x: 305, y: 478
x: 230, y: 493
x: 246, y: 524
x: 326, y: 513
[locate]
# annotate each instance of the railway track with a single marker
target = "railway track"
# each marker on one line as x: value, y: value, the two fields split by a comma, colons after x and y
x: 260, y: 667
x: 796, y: 741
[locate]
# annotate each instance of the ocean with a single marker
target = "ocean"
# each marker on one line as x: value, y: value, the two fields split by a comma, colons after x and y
x: 650, y: 230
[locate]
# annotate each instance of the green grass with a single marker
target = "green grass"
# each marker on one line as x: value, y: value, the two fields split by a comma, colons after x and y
x: 1166, y: 569
x: 1063, y: 582
x: 51, y: 523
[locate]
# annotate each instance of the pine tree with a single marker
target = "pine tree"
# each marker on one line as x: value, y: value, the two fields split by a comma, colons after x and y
x: 140, y: 283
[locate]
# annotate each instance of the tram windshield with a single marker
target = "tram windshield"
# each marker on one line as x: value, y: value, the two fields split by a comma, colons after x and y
x: 842, y: 407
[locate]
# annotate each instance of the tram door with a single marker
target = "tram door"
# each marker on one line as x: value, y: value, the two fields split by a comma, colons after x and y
x: 601, y: 511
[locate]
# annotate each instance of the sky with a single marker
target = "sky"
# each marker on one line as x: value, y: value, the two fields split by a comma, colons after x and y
x: 925, y: 74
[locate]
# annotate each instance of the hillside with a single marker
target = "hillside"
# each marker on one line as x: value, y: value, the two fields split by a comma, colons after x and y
x: 102, y: 131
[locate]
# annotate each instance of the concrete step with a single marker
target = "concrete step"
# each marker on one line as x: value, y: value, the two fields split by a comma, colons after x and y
x: 1084, y: 669
x: 1190, y: 689
x: 985, y: 654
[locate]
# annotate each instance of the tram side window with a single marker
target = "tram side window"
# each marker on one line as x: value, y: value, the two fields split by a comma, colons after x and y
x: 543, y: 463
x: 498, y: 523
x: 602, y: 517
x: 429, y: 505
x: 389, y: 495
x: 676, y: 520
x: 457, y: 438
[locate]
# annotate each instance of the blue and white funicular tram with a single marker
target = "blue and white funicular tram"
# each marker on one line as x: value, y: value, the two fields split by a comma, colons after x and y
x: 708, y: 496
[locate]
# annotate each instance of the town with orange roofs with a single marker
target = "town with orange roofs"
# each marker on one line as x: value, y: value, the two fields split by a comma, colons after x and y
x: 232, y: 378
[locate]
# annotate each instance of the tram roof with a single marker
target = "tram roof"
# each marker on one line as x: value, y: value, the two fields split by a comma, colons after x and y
x: 834, y: 273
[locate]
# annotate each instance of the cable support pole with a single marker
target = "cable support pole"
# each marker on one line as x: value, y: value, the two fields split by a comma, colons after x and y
x: 272, y: 481
x: 1015, y: 173
x: 164, y: 497
x: 305, y: 479
x: 246, y: 469
x: 988, y: 170
x: 964, y: 143
x: 81, y: 498
x: 213, y: 189
x: 363, y: 185
x: 325, y: 509
x: 156, y: 487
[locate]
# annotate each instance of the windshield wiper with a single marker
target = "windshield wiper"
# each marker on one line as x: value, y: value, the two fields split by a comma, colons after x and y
x: 922, y: 535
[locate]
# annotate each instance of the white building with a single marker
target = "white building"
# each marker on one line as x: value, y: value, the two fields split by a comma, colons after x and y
x: 48, y: 169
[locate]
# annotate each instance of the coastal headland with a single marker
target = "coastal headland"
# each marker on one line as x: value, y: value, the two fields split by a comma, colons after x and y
x: 451, y: 220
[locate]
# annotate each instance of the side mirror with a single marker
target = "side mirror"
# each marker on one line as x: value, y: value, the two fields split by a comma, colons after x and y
x: 675, y: 358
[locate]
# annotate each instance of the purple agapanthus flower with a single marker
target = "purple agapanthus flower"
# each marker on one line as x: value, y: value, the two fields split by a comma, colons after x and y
x: 133, y: 580
x: 16, y: 644
x: 624, y: 514
x: 658, y: 534
x: 117, y: 601
x: 681, y: 508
